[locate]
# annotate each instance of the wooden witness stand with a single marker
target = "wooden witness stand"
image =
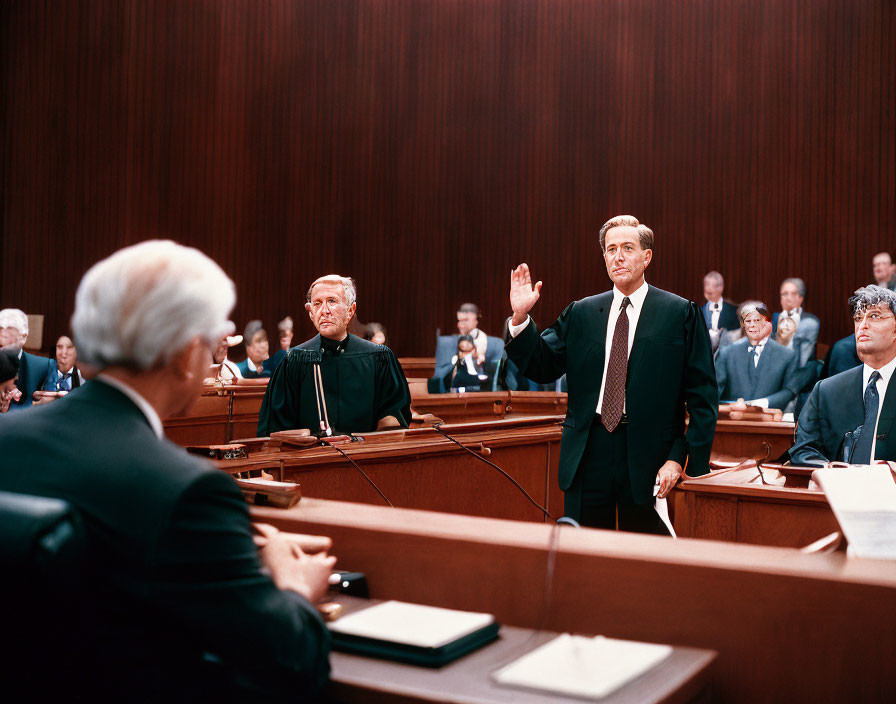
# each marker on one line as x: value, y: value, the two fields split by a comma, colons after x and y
x: 776, y: 617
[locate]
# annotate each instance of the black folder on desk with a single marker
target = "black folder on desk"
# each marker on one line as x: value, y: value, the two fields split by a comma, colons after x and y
x: 420, y: 635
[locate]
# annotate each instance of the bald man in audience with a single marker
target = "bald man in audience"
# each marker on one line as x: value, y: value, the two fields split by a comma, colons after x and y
x: 884, y: 270
x: 851, y: 416
x: 719, y: 315
x: 190, y: 604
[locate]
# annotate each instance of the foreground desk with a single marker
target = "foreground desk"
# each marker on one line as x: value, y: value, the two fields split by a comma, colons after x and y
x: 730, y: 506
x: 787, y: 626
x: 419, y: 468
x: 744, y: 438
x: 684, y: 677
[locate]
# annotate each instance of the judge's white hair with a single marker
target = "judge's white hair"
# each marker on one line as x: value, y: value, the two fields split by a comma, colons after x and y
x: 348, y: 286
x: 14, y: 318
x: 144, y: 303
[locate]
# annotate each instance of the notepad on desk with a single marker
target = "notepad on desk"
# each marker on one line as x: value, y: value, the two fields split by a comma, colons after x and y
x: 579, y: 666
x: 422, y: 635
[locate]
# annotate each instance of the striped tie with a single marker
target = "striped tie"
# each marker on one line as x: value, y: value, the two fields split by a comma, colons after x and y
x: 614, y: 389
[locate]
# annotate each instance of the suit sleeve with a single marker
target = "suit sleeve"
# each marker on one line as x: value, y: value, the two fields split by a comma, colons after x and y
x: 541, y: 358
x: 210, y: 579
x: 782, y: 397
x: 721, y: 366
x: 809, y: 449
x: 805, y: 341
x: 392, y: 394
x: 701, y: 394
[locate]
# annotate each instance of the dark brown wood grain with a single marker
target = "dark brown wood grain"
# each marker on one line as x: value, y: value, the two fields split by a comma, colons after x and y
x: 427, y: 146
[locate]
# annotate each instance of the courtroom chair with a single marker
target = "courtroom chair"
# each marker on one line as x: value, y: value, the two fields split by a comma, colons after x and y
x: 48, y: 611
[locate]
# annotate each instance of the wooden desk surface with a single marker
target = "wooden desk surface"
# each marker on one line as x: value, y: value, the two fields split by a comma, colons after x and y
x: 786, y: 625
x: 684, y: 677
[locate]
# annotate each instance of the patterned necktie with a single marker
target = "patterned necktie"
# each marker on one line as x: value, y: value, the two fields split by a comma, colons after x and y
x: 614, y: 389
x: 862, y: 453
x: 65, y: 383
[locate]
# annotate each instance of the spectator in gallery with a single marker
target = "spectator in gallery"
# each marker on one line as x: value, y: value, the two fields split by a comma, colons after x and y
x: 257, y: 349
x: 32, y: 369
x: 62, y: 372
x: 285, y: 330
x: 884, y: 270
x: 720, y: 316
x: 465, y: 374
x: 793, y: 293
x: 376, y: 333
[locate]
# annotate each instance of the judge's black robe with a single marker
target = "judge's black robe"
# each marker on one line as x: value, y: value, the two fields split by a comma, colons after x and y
x: 363, y: 383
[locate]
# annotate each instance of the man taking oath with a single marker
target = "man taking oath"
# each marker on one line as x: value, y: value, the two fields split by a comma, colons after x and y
x: 363, y: 384
x: 636, y: 359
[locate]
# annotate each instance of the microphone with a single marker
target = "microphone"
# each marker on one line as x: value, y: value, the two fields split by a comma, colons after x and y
x: 438, y: 429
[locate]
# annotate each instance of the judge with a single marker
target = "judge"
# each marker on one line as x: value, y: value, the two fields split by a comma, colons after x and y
x: 364, y: 387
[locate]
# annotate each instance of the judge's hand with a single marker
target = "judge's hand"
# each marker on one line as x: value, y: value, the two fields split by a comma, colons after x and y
x: 523, y: 294
x: 668, y: 476
x: 290, y: 567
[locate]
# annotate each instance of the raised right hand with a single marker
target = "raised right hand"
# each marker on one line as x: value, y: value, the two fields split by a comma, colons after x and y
x: 523, y: 294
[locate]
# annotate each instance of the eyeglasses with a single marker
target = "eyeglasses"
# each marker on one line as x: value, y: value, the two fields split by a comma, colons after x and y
x: 873, y: 316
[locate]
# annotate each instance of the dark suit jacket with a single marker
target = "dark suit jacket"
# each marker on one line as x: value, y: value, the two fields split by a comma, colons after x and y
x: 841, y: 357
x: 836, y: 407
x: 249, y: 374
x: 727, y: 317
x: 775, y: 377
x: 32, y: 375
x: 52, y: 376
x: 171, y: 559
x: 670, y: 370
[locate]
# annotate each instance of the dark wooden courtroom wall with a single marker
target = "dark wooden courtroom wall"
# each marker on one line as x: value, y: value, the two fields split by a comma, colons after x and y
x: 427, y: 146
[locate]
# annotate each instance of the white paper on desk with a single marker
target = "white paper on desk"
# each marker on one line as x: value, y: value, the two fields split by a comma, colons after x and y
x: 411, y: 624
x: 662, y: 508
x: 582, y: 667
x: 864, y: 502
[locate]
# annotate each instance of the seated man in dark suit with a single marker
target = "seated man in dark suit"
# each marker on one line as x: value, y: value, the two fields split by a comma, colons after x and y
x: 185, y: 606
x: 850, y: 416
x: 884, y: 270
x: 757, y: 369
x: 257, y: 352
x: 488, y: 349
x: 32, y: 369
x: 466, y: 374
x: 720, y: 316
x: 63, y: 374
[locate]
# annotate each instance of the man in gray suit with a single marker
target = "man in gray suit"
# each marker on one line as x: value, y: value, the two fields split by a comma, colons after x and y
x: 757, y: 369
x: 793, y: 293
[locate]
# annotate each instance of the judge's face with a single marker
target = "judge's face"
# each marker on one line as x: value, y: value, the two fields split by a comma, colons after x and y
x: 875, y: 330
x: 625, y: 259
x: 65, y: 353
x: 466, y: 323
x: 329, y: 311
x: 756, y: 326
x: 790, y: 297
x: 883, y: 269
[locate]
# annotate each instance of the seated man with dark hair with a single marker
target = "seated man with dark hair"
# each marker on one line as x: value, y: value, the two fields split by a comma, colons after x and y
x: 32, y: 369
x: 466, y: 374
x: 257, y: 352
x: 757, y: 369
x: 489, y: 350
x: 186, y: 609
x: 850, y: 416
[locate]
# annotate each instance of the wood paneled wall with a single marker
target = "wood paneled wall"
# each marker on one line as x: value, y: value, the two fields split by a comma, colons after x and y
x: 427, y: 146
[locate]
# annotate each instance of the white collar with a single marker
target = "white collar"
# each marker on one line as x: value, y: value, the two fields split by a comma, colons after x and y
x: 886, y: 372
x: 794, y: 312
x: 760, y: 344
x: 636, y: 299
x: 19, y: 355
x: 474, y: 333
x: 151, y: 416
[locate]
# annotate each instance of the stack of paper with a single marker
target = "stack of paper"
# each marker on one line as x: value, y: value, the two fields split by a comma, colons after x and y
x: 578, y: 666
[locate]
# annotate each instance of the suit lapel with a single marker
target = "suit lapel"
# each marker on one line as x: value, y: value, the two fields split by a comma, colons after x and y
x: 596, y: 350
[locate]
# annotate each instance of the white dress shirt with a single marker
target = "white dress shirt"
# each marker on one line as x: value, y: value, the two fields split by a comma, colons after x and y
x: 716, y: 308
x: 154, y: 421
x: 886, y: 372
x: 634, y: 313
x: 757, y: 352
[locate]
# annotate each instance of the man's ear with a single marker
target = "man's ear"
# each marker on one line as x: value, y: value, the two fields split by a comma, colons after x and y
x: 648, y: 257
x: 351, y: 311
x: 184, y: 360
